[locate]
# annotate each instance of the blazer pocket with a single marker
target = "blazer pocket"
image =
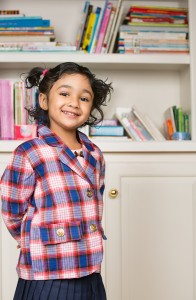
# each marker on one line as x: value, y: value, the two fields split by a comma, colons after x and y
x: 61, y: 232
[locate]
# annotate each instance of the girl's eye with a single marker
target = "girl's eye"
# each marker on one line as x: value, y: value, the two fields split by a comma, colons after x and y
x: 84, y: 99
x: 64, y: 94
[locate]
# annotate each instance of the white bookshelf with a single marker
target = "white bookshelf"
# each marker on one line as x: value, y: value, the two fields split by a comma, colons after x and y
x: 151, y: 81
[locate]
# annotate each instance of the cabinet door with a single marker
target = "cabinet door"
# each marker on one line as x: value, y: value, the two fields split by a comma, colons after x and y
x: 8, y: 251
x: 149, y: 226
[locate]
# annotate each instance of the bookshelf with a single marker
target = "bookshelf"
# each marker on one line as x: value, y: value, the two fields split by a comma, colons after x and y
x: 148, y: 80
x: 153, y: 82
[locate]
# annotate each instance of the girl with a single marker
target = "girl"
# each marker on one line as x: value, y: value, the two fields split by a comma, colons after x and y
x: 52, y: 189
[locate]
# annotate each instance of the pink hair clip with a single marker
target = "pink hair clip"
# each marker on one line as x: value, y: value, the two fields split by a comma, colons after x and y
x: 44, y: 72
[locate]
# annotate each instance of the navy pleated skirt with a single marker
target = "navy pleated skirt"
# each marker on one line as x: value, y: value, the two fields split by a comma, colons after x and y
x: 86, y: 288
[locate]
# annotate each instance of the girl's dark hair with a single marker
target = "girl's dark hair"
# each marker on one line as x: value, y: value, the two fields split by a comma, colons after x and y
x: 100, y: 88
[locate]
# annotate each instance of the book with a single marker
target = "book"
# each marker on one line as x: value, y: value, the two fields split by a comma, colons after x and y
x: 169, y: 115
x: 30, y: 21
x: 9, y: 11
x: 108, y: 122
x: 89, y: 31
x: 134, y: 129
x: 108, y: 30
x: 106, y: 131
x: 117, y: 9
x: 180, y: 123
x: 89, y: 11
x: 6, y: 110
x: 148, y: 124
x: 95, y: 30
x: 26, y: 38
x: 103, y: 27
x: 82, y: 25
x: 116, y: 30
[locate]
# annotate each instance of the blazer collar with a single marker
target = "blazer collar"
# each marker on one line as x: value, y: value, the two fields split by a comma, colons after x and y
x: 67, y: 156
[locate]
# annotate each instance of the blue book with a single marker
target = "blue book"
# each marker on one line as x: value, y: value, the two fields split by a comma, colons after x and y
x: 107, y: 131
x: 24, y: 22
x: 98, y: 15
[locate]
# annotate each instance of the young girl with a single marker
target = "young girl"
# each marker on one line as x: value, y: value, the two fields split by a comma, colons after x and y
x: 52, y: 189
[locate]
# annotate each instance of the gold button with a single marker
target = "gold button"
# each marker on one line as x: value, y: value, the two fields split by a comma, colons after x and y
x: 89, y: 193
x: 60, y: 232
x: 93, y: 227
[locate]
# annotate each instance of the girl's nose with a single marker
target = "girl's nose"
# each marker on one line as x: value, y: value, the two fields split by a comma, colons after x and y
x: 74, y: 102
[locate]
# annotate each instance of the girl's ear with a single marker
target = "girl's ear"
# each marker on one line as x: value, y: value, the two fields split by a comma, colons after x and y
x: 43, y: 101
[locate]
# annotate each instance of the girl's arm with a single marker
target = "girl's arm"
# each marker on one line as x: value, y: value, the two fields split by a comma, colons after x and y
x: 17, y: 186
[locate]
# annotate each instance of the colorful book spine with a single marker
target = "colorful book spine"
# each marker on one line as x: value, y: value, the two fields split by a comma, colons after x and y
x: 95, y: 29
x: 130, y: 129
x: 24, y: 22
x: 89, y: 30
x: 103, y: 27
x: 107, y: 131
x: 6, y: 110
x: 108, y: 30
x: 82, y: 25
x: 88, y: 13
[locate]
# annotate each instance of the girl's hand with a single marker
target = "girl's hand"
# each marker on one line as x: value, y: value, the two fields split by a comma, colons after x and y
x: 18, y: 246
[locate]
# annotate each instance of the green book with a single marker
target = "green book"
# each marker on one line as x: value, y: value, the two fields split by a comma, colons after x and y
x: 180, y: 120
x: 186, y: 123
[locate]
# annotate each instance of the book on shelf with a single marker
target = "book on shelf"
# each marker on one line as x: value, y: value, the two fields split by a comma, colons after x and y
x: 26, y: 38
x: 82, y: 25
x: 114, y: 34
x: 9, y: 12
x: 176, y: 120
x: 133, y: 127
x: 38, y: 47
x: 95, y: 30
x: 113, y: 26
x: 6, y: 110
x: 88, y: 13
x: 28, y: 21
x: 103, y: 27
x: 154, y: 29
x: 108, y: 30
x: 89, y: 31
x: 148, y: 124
x: 106, y: 131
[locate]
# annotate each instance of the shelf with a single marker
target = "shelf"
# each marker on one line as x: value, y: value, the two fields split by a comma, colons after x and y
x: 12, y: 60
x: 125, y: 146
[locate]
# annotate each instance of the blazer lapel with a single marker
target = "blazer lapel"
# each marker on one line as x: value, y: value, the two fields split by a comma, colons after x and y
x: 67, y: 157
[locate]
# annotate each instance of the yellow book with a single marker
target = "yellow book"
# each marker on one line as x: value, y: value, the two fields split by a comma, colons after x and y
x: 89, y: 31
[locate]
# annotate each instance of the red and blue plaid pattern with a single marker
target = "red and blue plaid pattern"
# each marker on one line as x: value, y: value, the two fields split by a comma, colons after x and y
x: 53, y: 207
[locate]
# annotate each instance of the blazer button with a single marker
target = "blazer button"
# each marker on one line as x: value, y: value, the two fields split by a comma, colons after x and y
x: 60, y: 232
x: 89, y: 193
x: 93, y: 227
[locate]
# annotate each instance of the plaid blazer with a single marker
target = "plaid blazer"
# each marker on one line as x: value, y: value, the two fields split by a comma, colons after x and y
x: 53, y: 207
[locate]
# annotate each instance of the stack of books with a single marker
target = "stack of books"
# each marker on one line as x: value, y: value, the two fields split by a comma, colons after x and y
x: 138, y: 126
x: 154, y: 29
x: 99, y: 27
x: 19, y: 32
x: 176, y: 120
x: 13, y: 115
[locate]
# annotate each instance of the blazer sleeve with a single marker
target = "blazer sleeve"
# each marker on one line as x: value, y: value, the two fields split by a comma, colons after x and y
x: 17, y: 186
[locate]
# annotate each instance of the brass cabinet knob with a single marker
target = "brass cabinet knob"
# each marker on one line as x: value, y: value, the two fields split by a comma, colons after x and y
x: 113, y: 193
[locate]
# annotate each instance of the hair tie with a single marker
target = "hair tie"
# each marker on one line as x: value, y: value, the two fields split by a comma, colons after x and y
x: 43, y: 74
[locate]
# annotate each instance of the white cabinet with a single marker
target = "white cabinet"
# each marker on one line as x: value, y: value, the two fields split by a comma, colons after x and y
x: 8, y: 252
x: 150, y: 225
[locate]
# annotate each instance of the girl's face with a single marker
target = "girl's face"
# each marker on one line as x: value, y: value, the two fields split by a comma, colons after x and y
x: 69, y: 103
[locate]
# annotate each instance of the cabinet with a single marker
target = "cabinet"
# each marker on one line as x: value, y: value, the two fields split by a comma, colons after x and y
x: 151, y: 224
